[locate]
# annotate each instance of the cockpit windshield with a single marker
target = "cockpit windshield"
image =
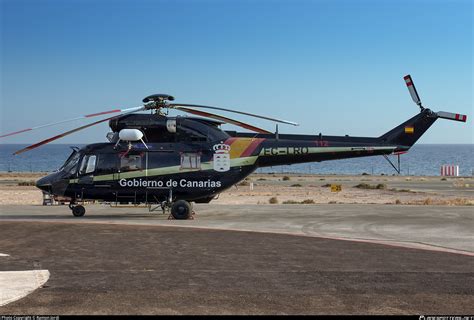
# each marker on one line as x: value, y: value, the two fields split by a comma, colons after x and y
x: 70, y: 165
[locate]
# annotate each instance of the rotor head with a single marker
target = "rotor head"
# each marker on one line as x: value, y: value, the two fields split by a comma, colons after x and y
x: 158, y: 98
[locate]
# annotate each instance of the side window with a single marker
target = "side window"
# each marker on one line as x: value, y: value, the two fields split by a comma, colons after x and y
x: 190, y: 161
x: 88, y: 164
x: 131, y: 162
x: 107, y: 163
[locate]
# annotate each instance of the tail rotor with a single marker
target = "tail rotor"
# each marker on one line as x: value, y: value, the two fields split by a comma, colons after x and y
x: 439, y: 114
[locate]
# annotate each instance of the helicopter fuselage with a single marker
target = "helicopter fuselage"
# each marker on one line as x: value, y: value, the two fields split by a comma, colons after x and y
x: 196, y: 160
x: 189, y: 171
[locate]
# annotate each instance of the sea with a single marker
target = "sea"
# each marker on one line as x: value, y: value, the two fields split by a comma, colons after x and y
x: 421, y: 160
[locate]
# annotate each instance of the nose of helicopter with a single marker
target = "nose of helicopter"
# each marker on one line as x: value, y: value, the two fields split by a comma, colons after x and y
x: 55, y: 183
x: 44, y: 183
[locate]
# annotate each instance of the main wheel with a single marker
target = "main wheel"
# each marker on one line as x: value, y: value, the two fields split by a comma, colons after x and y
x: 181, y: 210
x: 78, y: 211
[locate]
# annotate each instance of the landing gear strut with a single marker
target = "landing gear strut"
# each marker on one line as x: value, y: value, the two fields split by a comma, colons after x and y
x: 77, y: 210
x: 180, y: 209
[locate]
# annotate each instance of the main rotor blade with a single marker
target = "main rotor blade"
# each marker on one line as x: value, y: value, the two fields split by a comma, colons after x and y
x: 69, y: 120
x: 173, y: 105
x: 36, y: 145
x: 224, y: 119
x: 412, y: 89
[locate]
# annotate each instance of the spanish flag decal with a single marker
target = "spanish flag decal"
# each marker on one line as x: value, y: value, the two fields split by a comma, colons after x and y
x: 410, y: 130
x: 243, y: 147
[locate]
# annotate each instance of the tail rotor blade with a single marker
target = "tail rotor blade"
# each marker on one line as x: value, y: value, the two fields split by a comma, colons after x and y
x: 412, y: 89
x: 36, y: 145
x: 234, y: 111
x: 452, y: 116
x: 73, y: 119
x: 221, y: 118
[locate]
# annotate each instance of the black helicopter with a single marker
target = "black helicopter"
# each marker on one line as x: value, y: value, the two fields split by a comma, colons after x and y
x: 172, y: 161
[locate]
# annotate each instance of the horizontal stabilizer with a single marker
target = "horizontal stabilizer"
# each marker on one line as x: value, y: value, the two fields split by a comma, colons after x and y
x: 452, y: 116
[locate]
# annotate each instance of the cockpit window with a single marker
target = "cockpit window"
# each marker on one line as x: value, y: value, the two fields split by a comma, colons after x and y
x: 71, y: 163
x: 88, y: 164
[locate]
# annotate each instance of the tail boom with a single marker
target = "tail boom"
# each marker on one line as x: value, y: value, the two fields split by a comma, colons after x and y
x: 407, y: 134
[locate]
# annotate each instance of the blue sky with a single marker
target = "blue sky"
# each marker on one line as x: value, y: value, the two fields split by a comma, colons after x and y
x: 335, y: 67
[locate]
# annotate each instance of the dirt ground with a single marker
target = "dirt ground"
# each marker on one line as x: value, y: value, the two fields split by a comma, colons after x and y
x: 18, y: 188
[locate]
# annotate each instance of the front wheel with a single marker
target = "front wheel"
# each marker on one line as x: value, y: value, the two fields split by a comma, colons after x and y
x: 181, y: 210
x: 78, y: 211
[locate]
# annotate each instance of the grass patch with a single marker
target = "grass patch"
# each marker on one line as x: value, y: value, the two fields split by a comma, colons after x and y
x: 273, y: 200
x: 402, y: 190
x: 27, y: 183
x: 286, y: 178
x: 327, y: 185
x: 296, y: 185
x: 261, y: 179
x: 443, y: 202
x: 366, y: 186
x: 307, y: 201
x: 460, y: 184
x: 427, y: 201
x: 290, y: 202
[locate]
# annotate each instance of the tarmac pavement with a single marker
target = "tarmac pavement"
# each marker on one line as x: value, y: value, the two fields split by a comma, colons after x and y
x: 397, y: 260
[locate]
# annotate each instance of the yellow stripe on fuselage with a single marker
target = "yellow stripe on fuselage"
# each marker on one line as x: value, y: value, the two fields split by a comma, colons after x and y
x: 239, y: 146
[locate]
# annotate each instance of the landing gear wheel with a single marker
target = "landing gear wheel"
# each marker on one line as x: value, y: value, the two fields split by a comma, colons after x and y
x: 78, y: 211
x: 181, y: 210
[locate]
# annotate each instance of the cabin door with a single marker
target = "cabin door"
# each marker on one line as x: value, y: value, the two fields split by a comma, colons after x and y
x: 107, y: 169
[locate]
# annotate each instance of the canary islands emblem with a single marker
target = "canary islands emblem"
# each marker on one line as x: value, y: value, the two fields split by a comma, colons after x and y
x: 221, y: 157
